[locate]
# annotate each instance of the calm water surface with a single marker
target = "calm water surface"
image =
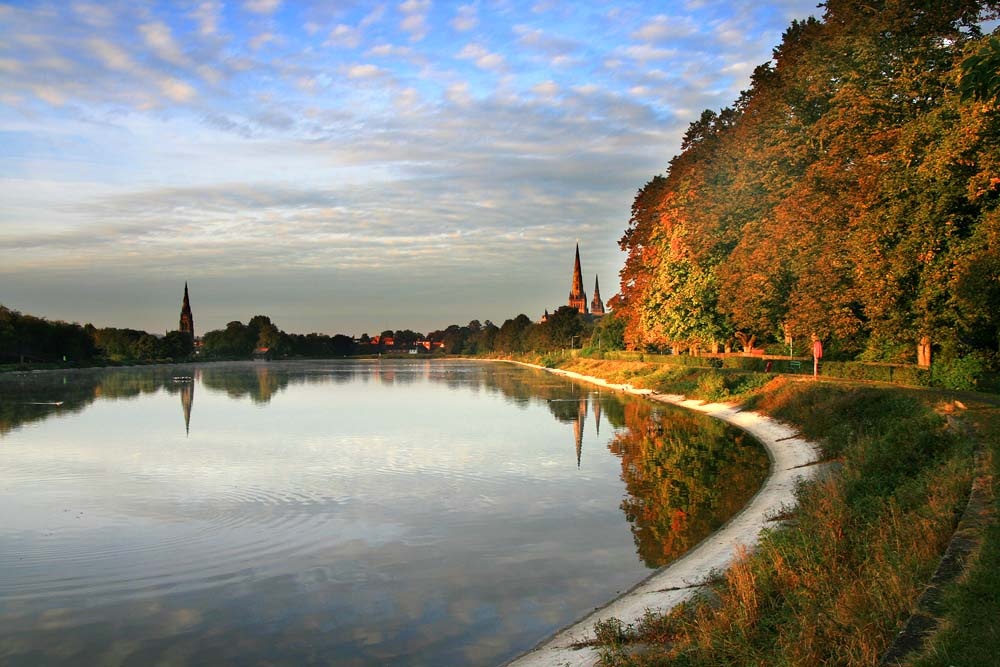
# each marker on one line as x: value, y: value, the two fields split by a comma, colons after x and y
x: 337, y: 513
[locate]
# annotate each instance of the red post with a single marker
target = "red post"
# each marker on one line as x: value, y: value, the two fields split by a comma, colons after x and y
x: 817, y: 355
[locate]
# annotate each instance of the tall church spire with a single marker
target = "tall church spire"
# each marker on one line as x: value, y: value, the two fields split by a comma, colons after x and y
x: 577, y: 297
x: 187, y: 319
x: 596, y: 305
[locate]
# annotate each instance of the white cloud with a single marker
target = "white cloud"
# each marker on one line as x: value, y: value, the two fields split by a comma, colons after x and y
x: 94, y: 14
x: 365, y: 71
x: 644, y: 52
x: 560, y: 51
x: 10, y: 66
x: 662, y: 27
x: 112, y: 56
x: 373, y: 17
x: 262, y: 6
x: 57, y: 63
x: 466, y: 18
x: 415, y: 18
x: 481, y: 57
x: 261, y: 39
x: 53, y: 96
x: 160, y: 39
x: 209, y: 73
x: 207, y: 15
x: 407, y: 100
x: 344, y: 36
x: 458, y: 93
x: 177, y: 90
x: 546, y: 89
x: 387, y: 50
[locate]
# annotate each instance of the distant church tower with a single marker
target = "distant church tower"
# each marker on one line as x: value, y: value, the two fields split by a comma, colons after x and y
x: 577, y: 297
x: 596, y: 305
x: 187, y: 319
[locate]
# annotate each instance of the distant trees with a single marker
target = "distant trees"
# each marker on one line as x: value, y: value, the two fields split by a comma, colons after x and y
x: 33, y: 339
x: 513, y: 335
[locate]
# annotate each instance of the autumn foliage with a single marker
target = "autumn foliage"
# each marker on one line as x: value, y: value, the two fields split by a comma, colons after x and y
x: 850, y: 193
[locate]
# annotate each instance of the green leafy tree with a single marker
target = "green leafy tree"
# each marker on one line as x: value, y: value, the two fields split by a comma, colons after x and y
x: 177, y: 345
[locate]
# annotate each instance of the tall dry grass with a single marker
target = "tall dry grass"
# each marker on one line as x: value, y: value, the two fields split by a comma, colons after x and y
x: 834, y: 586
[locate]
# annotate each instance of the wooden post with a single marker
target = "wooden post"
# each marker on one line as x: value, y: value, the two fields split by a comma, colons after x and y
x: 924, y: 352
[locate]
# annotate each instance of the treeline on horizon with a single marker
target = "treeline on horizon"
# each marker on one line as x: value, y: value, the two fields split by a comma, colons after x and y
x: 850, y: 193
x: 31, y: 339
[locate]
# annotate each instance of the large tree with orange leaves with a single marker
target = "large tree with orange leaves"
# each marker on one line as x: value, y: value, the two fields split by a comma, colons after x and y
x: 851, y: 192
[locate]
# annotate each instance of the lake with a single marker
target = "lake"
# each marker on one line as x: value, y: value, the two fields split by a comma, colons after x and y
x: 355, y: 512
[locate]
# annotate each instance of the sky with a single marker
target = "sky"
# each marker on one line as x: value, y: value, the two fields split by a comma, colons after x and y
x: 342, y: 166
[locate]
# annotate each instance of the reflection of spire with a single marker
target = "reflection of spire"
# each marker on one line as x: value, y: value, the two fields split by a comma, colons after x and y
x: 578, y: 425
x: 187, y: 397
x: 595, y: 400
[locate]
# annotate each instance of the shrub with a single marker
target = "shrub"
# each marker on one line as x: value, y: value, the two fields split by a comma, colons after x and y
x: 961, y: 373
x: 747, y: 382
x: 744, y: 363
x: 712, y: 387
x: 911, y: 375
x: 550, y: 360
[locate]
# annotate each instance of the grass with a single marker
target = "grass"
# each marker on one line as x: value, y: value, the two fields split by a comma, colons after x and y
x: 835, y: 586
x: 970, y: 610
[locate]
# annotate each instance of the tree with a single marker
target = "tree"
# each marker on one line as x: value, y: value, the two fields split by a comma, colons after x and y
x: 513, y: 334
x: 609, y: 333
x: 981, y: 73
x: 564, y: 328
x: 177, y: 345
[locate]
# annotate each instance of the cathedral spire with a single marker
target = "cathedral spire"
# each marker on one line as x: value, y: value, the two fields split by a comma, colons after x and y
x: 187, y: 319
x: 597, y: 306
x: 577, y: 297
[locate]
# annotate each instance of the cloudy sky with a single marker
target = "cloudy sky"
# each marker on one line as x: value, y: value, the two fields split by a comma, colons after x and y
x: 343, y: 166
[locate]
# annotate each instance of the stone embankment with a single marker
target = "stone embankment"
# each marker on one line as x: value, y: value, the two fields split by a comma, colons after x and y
x: 792, y: 460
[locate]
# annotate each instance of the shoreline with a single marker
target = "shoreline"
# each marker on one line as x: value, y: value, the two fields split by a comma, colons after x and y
x: 793, y: 460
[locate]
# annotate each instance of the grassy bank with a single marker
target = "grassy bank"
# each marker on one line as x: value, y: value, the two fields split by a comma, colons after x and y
x: 838, y: 580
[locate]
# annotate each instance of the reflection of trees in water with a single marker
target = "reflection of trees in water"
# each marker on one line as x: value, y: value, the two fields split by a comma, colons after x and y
x: 259, y: 382
x: 685, y: 475
x: 30, y: 397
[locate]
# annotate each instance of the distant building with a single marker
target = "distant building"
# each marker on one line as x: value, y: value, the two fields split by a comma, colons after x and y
x: 596, y: 305
x: 577, y: 297
x: 187, y: 319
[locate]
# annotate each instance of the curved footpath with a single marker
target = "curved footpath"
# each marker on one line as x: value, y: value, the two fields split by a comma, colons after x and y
x: 791, y: 459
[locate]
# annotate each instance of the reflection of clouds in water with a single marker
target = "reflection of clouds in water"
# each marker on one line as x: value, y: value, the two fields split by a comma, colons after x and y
x: 336, y: 519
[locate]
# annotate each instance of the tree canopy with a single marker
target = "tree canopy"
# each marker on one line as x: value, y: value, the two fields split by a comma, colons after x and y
x: 850, y: 193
